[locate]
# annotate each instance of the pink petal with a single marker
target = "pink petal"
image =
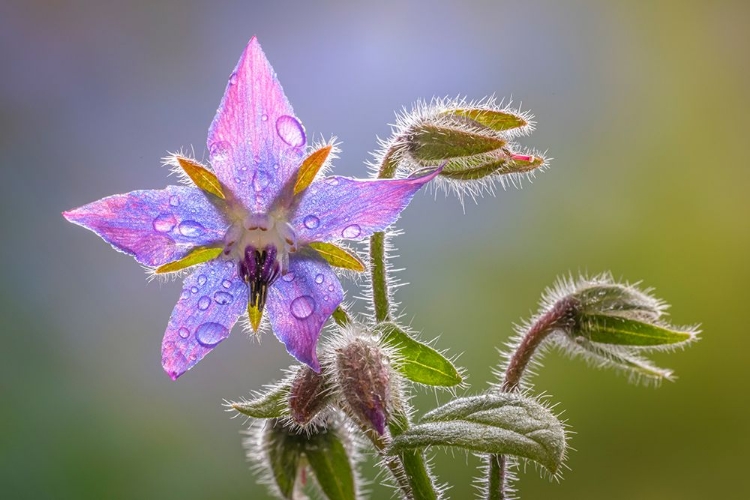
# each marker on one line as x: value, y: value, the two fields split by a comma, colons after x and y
x: 343, y: 208
x: 255, y: 142
x: 212, y: 300
x: 300, y: 302
x: 154, y: 226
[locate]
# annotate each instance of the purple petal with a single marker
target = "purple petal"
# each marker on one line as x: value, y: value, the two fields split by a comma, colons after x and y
x: 300, y: 302
x: 255, y: 142
x: 212, y: 299
x: 343, y: 208
x: 154, y: 226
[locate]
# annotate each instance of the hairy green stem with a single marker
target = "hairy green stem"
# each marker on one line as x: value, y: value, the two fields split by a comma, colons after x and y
x: 560, y: 316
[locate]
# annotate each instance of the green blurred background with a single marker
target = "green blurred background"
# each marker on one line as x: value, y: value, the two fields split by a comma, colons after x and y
x: 643, y: 105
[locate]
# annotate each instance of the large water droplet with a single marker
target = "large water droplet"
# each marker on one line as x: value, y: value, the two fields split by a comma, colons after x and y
x: 165, y: 223
x: 302, y: 307
x: 223, y: 298
x: 311, y: 222
x: 290, y: 130
x: 351, y: 231
x: 288, y: 277
x: 174, y: 200
x: 226, y: 284
x: 319, y: 279
x: 183, y: 332
x: 233, y: 78
x: 261, y: 180
x: 203, y: 303
x: 209, y: 334
x: 190, y: 229
x: 202, y: 280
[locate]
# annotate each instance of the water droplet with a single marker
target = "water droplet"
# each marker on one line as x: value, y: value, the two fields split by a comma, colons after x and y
x: 190, y: 229
x: 275, y: 166
x: 174, y: 200
x: 261, y: 180
x: 351, y: 231
x: 325, y: 297
x: 233, y: 78
x: 226, y: 284
x: 201, y: 280
x: 194, y: 289
x: 319, y: 279
x: 223, y: 298
x: 311, y: 222
x: 209, y: 334
x: 331, y: 288
x: 193, y: 357
x: 332, y: 181
x: 164, y: 223
x: 290, y: 130
x: 237, y: 180
x: 288, y: 277
x: 302, y: 307
x: 264, y: 117
x: 220, y: 151
x: 185, y: 293
x: 203, y: 303
x: 183, y: 332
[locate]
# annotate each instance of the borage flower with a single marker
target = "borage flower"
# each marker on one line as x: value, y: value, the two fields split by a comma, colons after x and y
x: 257, y: 228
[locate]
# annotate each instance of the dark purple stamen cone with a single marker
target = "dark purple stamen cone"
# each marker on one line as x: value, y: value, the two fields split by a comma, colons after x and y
x: 308, y: 395
x: 364, y: 378
x: 259, y: 269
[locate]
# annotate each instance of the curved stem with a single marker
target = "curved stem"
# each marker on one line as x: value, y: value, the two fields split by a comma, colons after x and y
x: 379, y: 277
x: 559, y: 317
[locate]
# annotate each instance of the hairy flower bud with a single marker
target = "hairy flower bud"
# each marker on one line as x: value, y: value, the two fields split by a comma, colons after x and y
x: 364, y: 376
x: 308, y: 395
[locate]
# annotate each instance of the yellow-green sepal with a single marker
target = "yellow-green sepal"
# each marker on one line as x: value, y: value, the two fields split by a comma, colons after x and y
x: 491, y: 118
x: 201, y: 176
x: 310, y: 168
x: 198, y: 255
x: 337, y: 256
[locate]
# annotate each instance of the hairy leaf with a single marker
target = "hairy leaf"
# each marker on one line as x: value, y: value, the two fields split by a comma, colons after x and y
x: 330, y: 463
x: 491, y: 118
x: 272, y: 404
x: 198, y: 255
x: 201, y: 176
x: 618, y: 330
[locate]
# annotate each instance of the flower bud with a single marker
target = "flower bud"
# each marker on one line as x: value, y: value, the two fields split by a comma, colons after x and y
x: 364, y: 376
x: 308, y: 395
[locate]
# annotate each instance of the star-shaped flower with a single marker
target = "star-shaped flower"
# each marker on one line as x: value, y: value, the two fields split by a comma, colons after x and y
x: 256, y: 228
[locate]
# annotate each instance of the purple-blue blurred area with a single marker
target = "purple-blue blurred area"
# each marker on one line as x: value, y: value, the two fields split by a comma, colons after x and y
x: 642, y: 105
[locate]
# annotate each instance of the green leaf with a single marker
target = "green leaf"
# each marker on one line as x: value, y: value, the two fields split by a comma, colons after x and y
x: 418, y: 362
x: 623, y: 359
x: 272, y: 404
x: 330, y: 463
x: 504, y: 424
x: 494, y: 119
x: 196, y: 256
x: 431, y: 143
x: 337, y: 256
x: 283, y: 450
x: 618, y: 330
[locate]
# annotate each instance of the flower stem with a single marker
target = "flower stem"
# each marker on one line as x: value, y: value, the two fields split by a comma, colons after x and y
x: 560, y: 316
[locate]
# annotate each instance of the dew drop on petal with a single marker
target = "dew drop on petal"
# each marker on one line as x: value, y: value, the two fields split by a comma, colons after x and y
x: 233, y: 78
x: 174, y: 200
x: 311, y: 222
x: 183, y: 332
x: 201, y: 280
x: 220, y: 151
x: 261, y: 180
x: 194, y: 289
x: 264, y: 117
x: 226, y: 284
x: 331, y: 288
x: 332, y: 181
x: 185, y: 293
x: 190, y: 229
x: 203, y: 303
x: 290, y: 130
x: 288, y: 277
x: 302, y: 307
x: 209, y: 334
x: 193, y: 357
x: 223, y: 298
x: 319, y: 279
x: 164, y: 223
x: 351, y: 231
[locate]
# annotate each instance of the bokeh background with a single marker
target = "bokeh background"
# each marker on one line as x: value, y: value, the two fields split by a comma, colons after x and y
x: 643, y: 105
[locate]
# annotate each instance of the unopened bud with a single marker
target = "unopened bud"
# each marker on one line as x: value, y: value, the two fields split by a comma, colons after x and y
x: 308, y: 395
x: 363, y: 372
